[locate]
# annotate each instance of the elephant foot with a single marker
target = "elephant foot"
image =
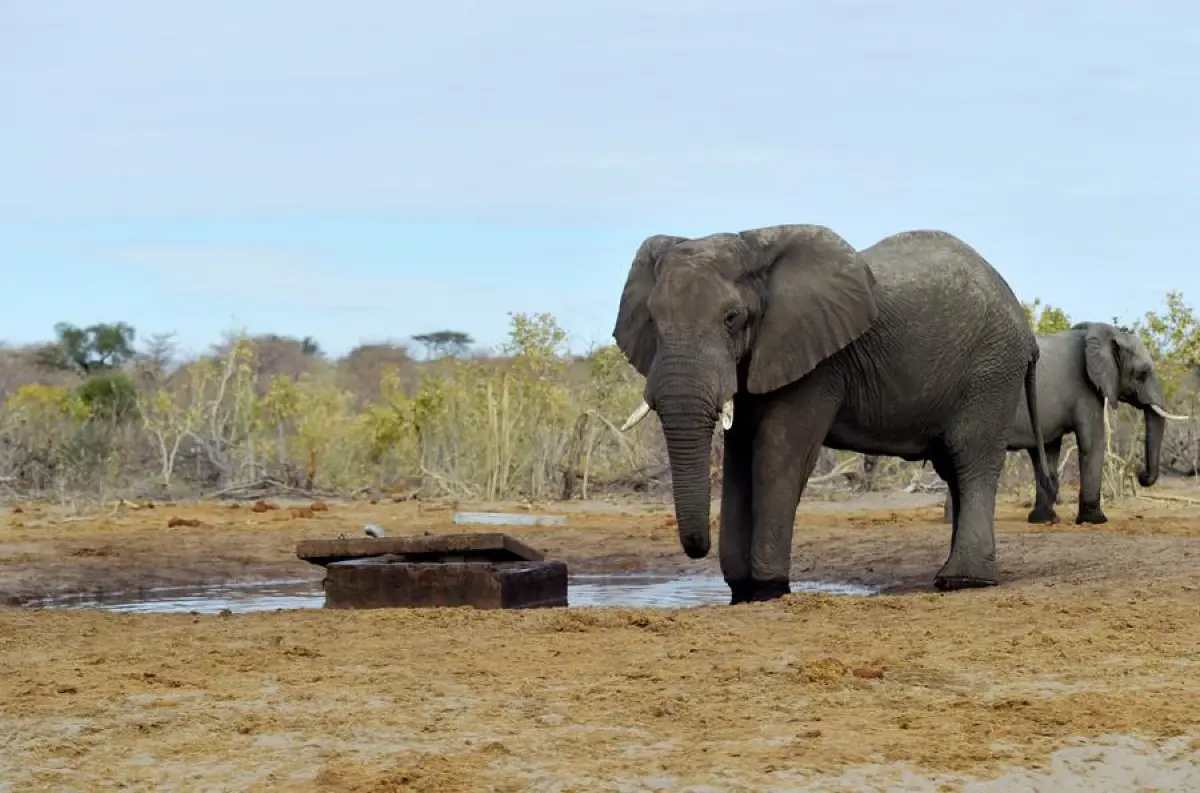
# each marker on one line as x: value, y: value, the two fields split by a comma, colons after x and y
x: 956, y: 575
x: 751, y: 591
x: 1091, y: 513
x: 954, y: 583
x: 1042, y: 514
x: 740, y: 591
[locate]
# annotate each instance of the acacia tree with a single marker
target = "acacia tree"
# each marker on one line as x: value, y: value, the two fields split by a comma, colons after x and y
x: 441, y: 343
x: 95, y: 348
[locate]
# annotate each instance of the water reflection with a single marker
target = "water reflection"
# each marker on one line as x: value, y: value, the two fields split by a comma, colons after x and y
x: 631, y: 590
x: 207, y: 599
x: 667, y: 592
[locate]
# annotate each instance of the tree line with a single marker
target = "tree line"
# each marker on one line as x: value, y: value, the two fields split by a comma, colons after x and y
x: 97, y: 414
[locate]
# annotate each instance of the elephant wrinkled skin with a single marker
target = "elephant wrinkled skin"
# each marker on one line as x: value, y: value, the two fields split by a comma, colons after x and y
x: 915, y: 347
x: 1078, y: 370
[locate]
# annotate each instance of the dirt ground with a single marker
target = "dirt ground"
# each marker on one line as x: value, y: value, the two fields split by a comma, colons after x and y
x: 1079, y: 672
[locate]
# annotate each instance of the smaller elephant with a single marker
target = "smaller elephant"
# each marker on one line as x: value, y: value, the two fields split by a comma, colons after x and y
x: 1077, y: 370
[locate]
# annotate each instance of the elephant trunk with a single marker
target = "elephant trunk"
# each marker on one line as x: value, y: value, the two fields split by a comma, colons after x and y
x: 1155, y: 427
x: 685, y: 393
x: 689, y: 443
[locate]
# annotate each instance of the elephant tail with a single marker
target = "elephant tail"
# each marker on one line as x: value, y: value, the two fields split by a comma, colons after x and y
x: 1047, y: 480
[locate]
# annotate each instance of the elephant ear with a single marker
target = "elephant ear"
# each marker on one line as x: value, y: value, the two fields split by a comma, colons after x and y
x: 634, y: 333
x: 819, y: 296
x: 1100, y: 356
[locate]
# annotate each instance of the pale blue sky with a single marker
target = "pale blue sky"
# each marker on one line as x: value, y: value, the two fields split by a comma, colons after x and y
x: 379, y: 168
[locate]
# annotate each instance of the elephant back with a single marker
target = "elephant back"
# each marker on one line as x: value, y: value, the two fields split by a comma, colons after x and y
x: 956, y: 288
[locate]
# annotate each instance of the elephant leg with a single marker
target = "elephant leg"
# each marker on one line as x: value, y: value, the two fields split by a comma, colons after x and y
x: 736, y: 509
x: 1091, y: 472
x: 1043, y: 507
x: 944, y: 468
x: 977, y: 464
x: 786, y: 448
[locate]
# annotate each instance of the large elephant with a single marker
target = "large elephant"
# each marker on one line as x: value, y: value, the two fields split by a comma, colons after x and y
x: 1077, y: 370
x: 915, y: 347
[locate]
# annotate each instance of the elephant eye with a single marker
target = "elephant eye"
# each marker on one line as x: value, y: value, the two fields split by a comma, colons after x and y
x: 733, y: 319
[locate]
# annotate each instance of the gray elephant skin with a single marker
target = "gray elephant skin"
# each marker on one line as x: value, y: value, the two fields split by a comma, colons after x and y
x: 1077, y: 370
x: 915, y: 347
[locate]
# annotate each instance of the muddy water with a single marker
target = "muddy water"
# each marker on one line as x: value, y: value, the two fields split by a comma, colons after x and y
x: 584, y: 590
x: 663, y: 591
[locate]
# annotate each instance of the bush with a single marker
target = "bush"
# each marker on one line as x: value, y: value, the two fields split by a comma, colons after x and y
x: 111, y: 396
x: 532, y: 422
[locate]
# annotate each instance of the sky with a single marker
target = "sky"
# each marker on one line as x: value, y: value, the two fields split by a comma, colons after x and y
x: 370, y: 170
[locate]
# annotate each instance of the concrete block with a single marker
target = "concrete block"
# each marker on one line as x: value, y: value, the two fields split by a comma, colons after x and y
x: 390, y: 582
x: 509, y: 519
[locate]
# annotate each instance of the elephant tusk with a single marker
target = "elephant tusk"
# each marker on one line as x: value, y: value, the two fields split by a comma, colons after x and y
x: 1167, y: 415
x: 636, y: 416
x: 727, y: 415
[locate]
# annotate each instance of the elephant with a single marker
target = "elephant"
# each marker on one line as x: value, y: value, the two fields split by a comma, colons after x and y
x: 915, y: 347
x: 1078, y: 370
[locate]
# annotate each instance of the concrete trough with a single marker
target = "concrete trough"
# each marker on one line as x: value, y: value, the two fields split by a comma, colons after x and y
x: 487, y: 571
x: 385, y: 582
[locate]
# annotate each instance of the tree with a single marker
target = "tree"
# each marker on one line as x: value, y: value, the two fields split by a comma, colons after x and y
x: 156, y: 359
x: 310, y: 346
x: 1173, y: 338
x: 1046, y: 319
x: 275, y: 354
x: 170, y: 416
x: 444, y: 342
x: 98, y: 347
x: 160, y: 350
x: 363, y: 368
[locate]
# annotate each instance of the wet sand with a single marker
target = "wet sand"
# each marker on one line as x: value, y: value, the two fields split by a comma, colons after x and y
x: 1094, y: 632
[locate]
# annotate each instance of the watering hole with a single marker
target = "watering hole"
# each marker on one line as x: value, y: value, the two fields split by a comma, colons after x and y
x: 630, y: 590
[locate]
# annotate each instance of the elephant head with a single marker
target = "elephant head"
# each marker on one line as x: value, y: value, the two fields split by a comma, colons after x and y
x: 1120, y: 368
x: 703, y: 319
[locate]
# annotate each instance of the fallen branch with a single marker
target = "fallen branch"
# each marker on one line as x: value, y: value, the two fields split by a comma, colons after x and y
x: 841, y: 470
x: 457, y: 490
x: 1160, y: 497
x: 265, y: 486
x: 638, y: 480
x: 917, y: 485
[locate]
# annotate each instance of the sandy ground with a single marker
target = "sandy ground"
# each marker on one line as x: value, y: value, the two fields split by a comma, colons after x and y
x: 1079, y: 672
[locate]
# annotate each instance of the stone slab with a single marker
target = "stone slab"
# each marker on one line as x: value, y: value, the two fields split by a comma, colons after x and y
x: 388, y: 582
x: 489, y: 547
